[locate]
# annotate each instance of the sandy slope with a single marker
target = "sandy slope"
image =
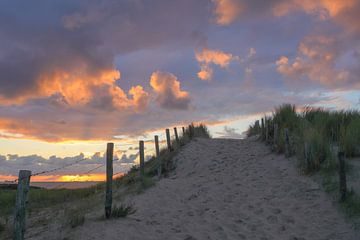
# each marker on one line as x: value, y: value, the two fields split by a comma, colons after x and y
x: 228, y: 189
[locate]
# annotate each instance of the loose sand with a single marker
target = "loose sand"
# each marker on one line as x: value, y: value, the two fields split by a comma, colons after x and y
x: 227, y: 189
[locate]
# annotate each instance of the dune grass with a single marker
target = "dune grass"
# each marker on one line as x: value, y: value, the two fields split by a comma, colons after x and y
x: 74, y: 217
x: 122, y: 211
x: 316, y: 135
x: 40, y: 198
x: 132, y: 183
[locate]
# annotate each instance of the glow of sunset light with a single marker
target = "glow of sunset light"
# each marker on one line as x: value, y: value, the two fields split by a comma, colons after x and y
x: 82, y: 178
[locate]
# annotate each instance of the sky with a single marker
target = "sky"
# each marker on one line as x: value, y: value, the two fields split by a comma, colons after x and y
x: 77, y: 74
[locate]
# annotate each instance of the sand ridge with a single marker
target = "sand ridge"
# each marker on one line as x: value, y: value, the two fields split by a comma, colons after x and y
x: 228, y: 189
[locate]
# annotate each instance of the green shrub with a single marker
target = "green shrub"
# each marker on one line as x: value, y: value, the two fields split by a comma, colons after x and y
x: 254, y: 129
x: 75, y: 217
x: 319, y: 129
x: 122, y: 211
x: 2, y: 228
x: 318, y: 150
x: 286, y: 117
x: 7, y: 201
x: 350, y: 138
x: 352, y: 204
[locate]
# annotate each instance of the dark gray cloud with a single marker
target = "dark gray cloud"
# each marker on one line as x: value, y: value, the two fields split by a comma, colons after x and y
x: 128, y: 158
x: 84, y: 36
x: 12, y: 163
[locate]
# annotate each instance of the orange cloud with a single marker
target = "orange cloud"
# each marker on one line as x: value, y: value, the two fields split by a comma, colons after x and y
x: 77, y: 87
x: 342, y: 12
x: 57, y: 131
x: 217, y: 57
x: 206, y: 57
x: 323, y: 8
x: 315, y: 61
x: 205, y: 73
x: 81, y: 88
x: 226, y: 11
x: 170, y: 95
x: 140, y: 97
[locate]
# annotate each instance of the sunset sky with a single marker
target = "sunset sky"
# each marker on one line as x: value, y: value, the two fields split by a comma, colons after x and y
x: 77, y: 74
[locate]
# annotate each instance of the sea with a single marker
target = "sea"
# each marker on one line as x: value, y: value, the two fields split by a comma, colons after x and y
x: 67, y: 185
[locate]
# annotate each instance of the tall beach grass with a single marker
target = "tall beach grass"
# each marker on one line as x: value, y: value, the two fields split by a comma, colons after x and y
x: 316, y: 135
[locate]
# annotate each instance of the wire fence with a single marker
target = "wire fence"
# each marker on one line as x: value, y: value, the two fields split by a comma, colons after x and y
x: 152, y: 146
x: 79, y: 176
x: 149, y: 152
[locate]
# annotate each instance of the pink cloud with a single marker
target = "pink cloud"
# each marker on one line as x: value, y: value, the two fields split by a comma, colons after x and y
x: 315, y: 60
x: 207, y: 56
x: 169, y: 93
x: 226, y: 11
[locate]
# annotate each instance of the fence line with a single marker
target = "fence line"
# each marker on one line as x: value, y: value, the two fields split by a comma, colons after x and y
x: 24, y: 175
x: 270, y: 134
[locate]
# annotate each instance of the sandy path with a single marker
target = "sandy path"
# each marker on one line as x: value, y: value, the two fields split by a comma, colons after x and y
x: 228, y: 189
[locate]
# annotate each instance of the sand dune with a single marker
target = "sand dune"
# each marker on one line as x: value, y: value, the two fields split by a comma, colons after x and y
x: 228, y: 189
x: 221, y: 189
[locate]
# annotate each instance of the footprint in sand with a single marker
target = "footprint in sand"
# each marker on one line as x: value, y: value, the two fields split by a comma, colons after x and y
x: 259, y: 211
x: 189, y: 237
x: 272, y: 219
x: 276, y: 211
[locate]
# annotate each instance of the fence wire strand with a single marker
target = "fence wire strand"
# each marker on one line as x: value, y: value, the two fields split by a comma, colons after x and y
x: 147, y: 152
x: 83, y: 174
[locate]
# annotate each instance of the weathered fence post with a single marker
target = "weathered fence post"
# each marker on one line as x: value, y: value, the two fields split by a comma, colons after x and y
x: 176, y: 136
x: 342, y: 176
x: 262, y: 129
x: 266, y: 130
x: 168, y: 140
x: 142, y: 159
x: 307, y: 156
x: 276, y: 135
x: 183, y: 130
x: 287, y: 143
x: 157, y: 150
x: 191, y: 132
x: 109, y: 178
x: 257, y: 125
x: 20, y: 204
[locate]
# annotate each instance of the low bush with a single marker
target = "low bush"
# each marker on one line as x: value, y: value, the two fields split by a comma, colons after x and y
x: 122, y: 211
x: 75, y: 217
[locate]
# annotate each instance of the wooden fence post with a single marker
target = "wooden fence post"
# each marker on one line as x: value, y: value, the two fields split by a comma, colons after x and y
x: 142, y: 159
x: 262, y: 129
x: 266, y: 130
x: 287, y: 143
x: 307, y: 156
x: 157, y: 150
x: 109, y: 178
x: 20, y: 204
x: 342, y: 176
x: 183, y: 130
x: 191, y: 133
x: 176, y: 136
x: 276, y: 135
x: 257, y: 125
x: 168, y: 141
